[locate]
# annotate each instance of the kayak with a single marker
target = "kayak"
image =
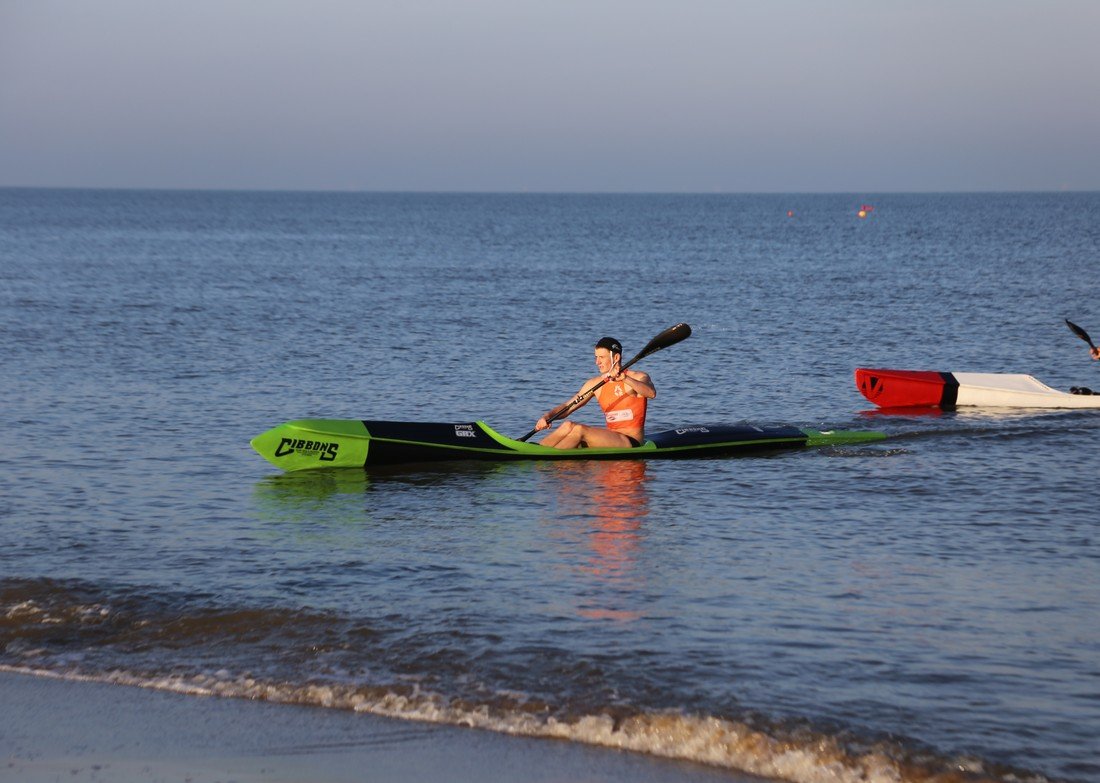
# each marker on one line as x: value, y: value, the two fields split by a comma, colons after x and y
x: 351, y: 443
x: 919, y: 388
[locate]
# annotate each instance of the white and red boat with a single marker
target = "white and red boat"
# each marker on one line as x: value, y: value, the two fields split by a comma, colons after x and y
x: 922, y: 388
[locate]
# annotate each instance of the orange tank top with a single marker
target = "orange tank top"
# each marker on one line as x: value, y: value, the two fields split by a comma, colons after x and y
x: 621, y: 409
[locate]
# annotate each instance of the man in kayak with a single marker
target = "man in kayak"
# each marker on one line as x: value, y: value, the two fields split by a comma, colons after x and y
x: 623, y: 398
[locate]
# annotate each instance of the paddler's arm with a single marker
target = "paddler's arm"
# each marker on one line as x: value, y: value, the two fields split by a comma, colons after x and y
x: 1094, y: 353
x: 570, y: 405
x: 639, y: 383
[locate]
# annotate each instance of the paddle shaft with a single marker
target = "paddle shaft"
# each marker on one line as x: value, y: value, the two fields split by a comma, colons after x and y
x: 668, y: 337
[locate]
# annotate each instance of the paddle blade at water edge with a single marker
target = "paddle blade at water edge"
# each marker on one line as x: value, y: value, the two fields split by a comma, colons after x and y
x: 310, y: 444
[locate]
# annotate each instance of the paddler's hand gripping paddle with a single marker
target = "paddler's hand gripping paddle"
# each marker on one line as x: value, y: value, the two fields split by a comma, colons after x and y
x: 670, y: 336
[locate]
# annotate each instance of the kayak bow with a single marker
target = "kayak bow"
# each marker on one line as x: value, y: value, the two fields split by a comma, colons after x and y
x: 350, y: 443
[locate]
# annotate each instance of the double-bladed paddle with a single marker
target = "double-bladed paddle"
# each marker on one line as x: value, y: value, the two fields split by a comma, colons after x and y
x: 670, y: 336
x: 1077, y: 330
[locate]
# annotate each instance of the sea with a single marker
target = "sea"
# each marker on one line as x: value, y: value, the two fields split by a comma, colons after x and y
x: 926, y: 607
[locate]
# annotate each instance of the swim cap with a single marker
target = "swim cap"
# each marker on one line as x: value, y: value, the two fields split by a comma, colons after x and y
x: 611, y: 344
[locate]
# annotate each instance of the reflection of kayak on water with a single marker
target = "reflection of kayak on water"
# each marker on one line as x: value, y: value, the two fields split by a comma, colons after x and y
x: 918, y: 388
x: 593, y: 519
x: 352, y: 443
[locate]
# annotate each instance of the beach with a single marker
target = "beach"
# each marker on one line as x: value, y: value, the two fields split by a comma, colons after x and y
x: 61, y: 730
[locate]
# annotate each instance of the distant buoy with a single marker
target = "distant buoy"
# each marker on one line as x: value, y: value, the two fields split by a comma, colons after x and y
x: 862, y: 213
x: 790, y: 213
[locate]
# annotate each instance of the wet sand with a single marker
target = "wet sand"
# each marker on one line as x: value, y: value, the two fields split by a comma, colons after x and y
x: 58, y: 730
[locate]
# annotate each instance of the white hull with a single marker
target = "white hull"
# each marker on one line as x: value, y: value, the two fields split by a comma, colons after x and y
x: 1001, y: 390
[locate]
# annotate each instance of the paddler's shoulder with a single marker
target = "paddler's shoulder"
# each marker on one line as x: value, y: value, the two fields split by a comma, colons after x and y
x: 591, y: 382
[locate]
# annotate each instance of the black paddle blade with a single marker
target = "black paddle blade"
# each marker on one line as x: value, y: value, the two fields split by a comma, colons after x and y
x: 669, y: 336
x: 1077, y: 330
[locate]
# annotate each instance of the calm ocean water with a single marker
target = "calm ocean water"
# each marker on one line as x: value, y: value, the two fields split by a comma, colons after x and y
x: 923, y: 606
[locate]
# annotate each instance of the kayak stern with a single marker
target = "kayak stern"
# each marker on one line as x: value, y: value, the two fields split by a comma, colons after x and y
x: 816, y: 438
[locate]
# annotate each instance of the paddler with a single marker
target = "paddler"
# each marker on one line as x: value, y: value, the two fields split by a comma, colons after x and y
x: 623, y: 398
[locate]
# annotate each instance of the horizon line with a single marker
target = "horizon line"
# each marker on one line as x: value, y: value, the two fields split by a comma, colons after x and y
x: 534, y: 192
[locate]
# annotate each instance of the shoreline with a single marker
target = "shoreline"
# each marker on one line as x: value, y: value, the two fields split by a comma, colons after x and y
x: 54, y: 729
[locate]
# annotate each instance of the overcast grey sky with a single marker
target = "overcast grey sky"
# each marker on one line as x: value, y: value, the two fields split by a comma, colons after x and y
x: 559, y: 95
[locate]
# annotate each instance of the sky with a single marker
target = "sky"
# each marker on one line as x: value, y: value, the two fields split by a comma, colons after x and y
x: 552, y: 96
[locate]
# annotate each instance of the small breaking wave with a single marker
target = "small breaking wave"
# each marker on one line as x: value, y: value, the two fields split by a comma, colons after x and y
x: 801, y: 756
x: 77, y: 631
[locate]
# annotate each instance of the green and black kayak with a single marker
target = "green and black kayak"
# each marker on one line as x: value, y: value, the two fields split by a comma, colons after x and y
x: 349, y: 443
